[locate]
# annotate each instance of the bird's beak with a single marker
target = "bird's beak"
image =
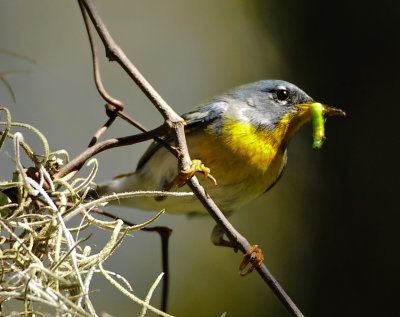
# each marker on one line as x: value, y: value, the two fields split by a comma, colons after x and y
x: 327, y: 111
x: 317, y: 112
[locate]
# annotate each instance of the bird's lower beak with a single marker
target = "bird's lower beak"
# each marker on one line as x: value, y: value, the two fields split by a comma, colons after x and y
x: 318, y: 112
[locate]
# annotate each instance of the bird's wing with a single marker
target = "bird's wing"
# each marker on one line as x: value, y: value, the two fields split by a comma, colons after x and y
x: 195, y: 120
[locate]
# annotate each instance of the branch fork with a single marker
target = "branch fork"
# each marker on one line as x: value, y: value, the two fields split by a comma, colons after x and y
x: 173, y: 125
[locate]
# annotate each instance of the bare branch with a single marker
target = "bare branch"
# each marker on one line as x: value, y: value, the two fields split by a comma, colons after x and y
x: 77, y: 163
x: 96, y: 70
x: 176, y: 125
x: 115, y: 53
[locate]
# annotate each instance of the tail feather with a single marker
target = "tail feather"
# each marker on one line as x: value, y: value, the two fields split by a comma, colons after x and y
x: 121, y: 183
x: 135, y: 182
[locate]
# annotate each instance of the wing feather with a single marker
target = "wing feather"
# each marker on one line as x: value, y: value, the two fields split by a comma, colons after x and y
x: 195, y: 120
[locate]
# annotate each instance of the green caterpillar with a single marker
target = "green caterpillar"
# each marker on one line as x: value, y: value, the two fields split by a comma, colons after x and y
x: 318, y: 120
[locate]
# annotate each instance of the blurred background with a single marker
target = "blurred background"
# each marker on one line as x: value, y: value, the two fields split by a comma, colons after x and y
x: 329, y: 229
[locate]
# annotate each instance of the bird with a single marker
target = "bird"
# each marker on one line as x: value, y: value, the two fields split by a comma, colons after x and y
x: 238, y: 139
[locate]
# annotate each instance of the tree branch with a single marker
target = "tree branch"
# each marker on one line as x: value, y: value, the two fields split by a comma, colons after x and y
x: 176, y: 125
x: 75, y: 164
x: 115, y: 53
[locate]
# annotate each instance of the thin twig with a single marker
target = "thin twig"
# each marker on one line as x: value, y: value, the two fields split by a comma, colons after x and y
x: 101, y: 130
x: 115, y: 53
x: 176, y: 124
x: 164, y: 233
x: 242, y: 244
x: 96, y: 69
x: 77, y: 162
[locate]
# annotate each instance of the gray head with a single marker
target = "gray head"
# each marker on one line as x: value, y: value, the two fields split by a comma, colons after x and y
x: 264, y: 102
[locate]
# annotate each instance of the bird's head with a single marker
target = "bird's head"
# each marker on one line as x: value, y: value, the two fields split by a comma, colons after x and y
x: 278, y: 107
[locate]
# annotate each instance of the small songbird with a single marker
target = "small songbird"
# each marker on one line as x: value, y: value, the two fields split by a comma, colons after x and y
x: 241, y: 136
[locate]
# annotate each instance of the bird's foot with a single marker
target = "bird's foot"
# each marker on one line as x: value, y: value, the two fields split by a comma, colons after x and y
x: 187, y: 174
x: 254, y: 257
x: 251, y: 260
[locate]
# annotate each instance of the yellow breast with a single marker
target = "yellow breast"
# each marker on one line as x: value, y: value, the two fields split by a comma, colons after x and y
x: 241, y: 156
x: 258, y: 147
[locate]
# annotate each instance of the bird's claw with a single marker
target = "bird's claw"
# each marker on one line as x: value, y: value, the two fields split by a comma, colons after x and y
x: 186, y: 174
x: 254, y: 257
x: 195, y: 166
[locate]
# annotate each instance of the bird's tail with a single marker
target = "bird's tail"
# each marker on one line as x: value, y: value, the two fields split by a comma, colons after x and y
x: 146, y: 198
x: 119, y: 184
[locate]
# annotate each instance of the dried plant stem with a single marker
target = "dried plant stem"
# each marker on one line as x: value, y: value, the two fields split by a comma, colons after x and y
x: 124, y: 291
x: 41, y: 258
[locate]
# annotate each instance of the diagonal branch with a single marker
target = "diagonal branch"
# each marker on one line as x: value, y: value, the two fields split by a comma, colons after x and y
x: 176, y: 126
x: 75, y: 164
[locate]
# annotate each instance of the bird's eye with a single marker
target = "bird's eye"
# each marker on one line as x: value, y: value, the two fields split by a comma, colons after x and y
x: 282, y: 94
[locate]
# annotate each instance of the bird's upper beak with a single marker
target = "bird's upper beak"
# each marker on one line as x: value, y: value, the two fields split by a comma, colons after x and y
x: 327, y: 111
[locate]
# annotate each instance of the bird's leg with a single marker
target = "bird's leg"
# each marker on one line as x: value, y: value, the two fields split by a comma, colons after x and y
x: 217, y: 238
x: 253, y: 256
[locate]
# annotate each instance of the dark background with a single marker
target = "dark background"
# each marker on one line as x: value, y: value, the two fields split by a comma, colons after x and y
x: 329, y: 229
x: 349, y: 51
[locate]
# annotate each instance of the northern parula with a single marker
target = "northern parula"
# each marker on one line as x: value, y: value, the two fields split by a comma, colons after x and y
x: 241, y: 136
